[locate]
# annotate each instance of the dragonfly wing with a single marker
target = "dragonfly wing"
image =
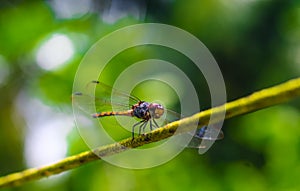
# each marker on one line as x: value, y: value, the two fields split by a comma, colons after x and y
x: 99, y: 97
x: 195, y: 143
x: 117, y: 97
x: 90, y: 104
x: 209, y: 134
x: 202, y: 138
x: 205, y: 136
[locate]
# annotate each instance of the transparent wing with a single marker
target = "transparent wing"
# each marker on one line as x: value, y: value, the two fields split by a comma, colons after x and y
x: 209, y: 134
x: 100, y: 97
x: 205, y: 134
x: 117, y: 97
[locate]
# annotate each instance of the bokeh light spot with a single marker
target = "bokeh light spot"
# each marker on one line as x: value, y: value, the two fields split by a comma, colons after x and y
x: 55, y: 52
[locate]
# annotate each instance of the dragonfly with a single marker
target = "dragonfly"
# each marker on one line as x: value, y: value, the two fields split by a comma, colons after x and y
x: 146, y: 112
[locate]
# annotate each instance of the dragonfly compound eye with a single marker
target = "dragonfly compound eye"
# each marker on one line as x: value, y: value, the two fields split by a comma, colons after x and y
x: 156, y: 110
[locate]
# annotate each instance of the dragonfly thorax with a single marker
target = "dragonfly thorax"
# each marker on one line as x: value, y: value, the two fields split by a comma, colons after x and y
x: 146, y: 110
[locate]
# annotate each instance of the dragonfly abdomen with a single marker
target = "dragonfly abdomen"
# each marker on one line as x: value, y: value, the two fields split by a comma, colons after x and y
x: 111, y: 113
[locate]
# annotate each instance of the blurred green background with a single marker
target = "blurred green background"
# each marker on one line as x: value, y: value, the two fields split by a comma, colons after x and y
x: 255, y: 42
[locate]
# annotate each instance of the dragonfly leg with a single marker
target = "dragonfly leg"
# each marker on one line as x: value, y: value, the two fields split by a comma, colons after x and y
x: 150, y: 125
x: 156, y: 125
x: 144, y: 126
x: 138, y: 123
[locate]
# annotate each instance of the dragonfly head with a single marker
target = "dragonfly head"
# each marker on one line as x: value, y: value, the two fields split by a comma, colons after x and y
x: 156, y: 110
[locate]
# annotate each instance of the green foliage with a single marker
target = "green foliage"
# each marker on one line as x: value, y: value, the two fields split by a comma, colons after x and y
x: 256, y: 44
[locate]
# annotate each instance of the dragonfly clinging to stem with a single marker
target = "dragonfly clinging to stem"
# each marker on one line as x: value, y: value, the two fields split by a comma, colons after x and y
x: 146, y: 112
